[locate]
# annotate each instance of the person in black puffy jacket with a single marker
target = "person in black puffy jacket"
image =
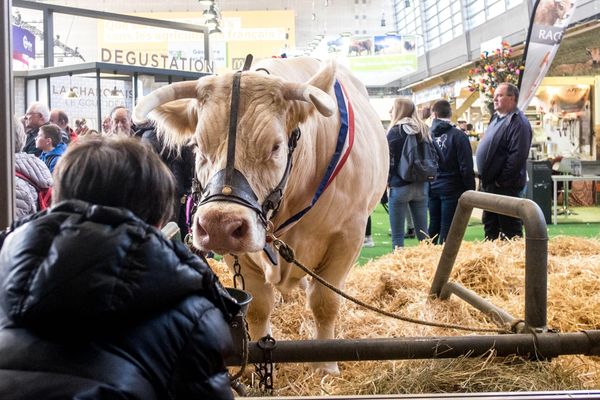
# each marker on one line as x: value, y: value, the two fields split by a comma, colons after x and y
x: 95, y: 303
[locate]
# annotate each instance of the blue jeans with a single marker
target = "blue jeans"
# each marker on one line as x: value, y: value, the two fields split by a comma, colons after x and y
x: 414, y: 196
x: 441, y: 212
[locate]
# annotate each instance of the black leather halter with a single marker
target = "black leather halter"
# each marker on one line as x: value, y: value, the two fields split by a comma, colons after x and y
x: 230, y: 184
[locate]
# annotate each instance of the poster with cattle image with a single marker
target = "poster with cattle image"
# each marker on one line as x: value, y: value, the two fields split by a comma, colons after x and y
x: 376, y: 60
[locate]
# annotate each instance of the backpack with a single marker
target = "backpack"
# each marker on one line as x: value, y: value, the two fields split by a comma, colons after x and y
x: 44, y: 194
x: 419, y: 161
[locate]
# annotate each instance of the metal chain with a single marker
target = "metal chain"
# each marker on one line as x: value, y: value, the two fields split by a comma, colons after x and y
x: 245, y: 351
x: 264, y: 370
x: 237, y: 269
x: 237, y: 273
x: 288, y: 254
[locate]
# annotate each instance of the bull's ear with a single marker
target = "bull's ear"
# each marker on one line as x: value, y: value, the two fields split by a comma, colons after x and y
x: 314, y: 91
x: 325, y: 78
x: 303, y: 92
x: 176, y: 121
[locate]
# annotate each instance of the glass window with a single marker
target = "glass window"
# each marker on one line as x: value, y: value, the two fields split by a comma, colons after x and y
x: 512, y: 3
x: 440, y: 18
x: 495, y: 8
x: 477, y: 19
x: 444, y: 14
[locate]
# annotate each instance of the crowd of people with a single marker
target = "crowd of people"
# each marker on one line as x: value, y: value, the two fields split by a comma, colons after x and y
x: 45, y: 134
x: 140, y: 316
x: 500, y: 167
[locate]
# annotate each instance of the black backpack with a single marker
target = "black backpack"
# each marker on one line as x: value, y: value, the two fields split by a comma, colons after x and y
x: 419, y: 160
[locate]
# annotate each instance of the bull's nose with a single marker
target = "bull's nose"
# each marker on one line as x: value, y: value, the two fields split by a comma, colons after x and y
x: 224, y: 235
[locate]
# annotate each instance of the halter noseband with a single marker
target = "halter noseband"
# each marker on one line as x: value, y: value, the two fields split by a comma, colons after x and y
x: 230, y: 185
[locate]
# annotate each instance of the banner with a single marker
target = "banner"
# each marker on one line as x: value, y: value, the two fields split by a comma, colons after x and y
x: 23, y: 44
x: 549, y: 20
x: 376, y: 60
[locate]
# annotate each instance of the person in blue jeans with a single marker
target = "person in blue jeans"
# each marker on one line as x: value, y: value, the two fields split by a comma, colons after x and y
x: 455, y: 174
x: 403, y: 194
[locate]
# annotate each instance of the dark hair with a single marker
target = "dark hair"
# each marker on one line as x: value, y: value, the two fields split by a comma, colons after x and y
x: 116, y: 172
x: 511, y: 90
x: 62, y: 116
x: 52, y: 132
x: 442, y: 109
x: 469, y: 127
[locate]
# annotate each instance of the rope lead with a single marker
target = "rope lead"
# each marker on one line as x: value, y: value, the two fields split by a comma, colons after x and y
x: 287, y: 253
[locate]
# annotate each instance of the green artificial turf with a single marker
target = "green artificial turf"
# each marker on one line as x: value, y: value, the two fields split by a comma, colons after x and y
x: 585, y: 222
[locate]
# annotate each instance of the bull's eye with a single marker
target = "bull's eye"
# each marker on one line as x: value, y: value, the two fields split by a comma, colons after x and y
x: 275, y: 148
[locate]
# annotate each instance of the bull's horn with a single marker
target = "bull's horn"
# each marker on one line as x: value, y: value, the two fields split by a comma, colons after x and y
x: 165, y: 94
x: 311, y: 94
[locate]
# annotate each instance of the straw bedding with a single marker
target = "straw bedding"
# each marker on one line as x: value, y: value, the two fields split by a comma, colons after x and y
x: 399, y: 282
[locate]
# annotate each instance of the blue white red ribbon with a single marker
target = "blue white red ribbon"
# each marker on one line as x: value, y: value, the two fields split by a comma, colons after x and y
x: 340, y: 156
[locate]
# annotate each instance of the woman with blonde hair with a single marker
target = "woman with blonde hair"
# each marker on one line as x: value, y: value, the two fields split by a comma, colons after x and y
x: 405, y: 121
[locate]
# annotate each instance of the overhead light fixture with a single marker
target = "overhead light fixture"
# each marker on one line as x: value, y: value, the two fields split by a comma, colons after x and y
x: 211, y: 12
x: 212, y: 23
x: 207, y: 2
x: 115, y: 93
x: 71, y: 94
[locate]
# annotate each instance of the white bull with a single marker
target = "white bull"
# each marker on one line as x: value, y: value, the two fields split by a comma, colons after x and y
x: 297, y: 93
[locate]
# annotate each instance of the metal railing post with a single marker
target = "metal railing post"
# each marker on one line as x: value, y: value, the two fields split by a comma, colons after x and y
x: 536, y: 248
x: 7, y: 171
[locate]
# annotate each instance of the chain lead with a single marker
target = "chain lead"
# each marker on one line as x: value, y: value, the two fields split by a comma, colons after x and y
x: 265, y: 369
x: 237, y: 273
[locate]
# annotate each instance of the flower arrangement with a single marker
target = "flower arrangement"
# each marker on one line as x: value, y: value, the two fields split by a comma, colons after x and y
x: 492, y: 69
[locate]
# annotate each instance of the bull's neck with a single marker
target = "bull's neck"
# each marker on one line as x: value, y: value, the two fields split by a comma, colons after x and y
x: 311, y: 160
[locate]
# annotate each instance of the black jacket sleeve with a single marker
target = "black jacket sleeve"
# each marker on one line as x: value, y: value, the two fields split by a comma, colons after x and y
x: 201, y: 372
x: 517, y: 138
x: 464, y: 155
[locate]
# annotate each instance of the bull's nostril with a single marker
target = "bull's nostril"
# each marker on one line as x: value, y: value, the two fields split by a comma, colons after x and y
x: 240, y: 231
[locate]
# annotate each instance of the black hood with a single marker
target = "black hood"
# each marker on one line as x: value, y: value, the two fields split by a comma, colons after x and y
x: 83, y: 266
x: 439, y: 127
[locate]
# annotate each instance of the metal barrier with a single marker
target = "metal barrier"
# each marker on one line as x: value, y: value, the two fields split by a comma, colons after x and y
x: 532, y: 340
x: 536, y: 258
x: 533, y: 346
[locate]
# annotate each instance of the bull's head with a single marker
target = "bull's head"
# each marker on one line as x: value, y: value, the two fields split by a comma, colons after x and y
x: 270, y: 109
x: 562, y: 8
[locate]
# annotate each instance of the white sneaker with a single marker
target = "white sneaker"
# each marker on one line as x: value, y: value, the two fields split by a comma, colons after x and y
x: 368, y: 242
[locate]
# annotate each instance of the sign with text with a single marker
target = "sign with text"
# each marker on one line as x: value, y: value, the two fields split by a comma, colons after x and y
x: 264, y: 34
x: 146, y: 46
x: 549, y: 20
x: 23, y: 42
